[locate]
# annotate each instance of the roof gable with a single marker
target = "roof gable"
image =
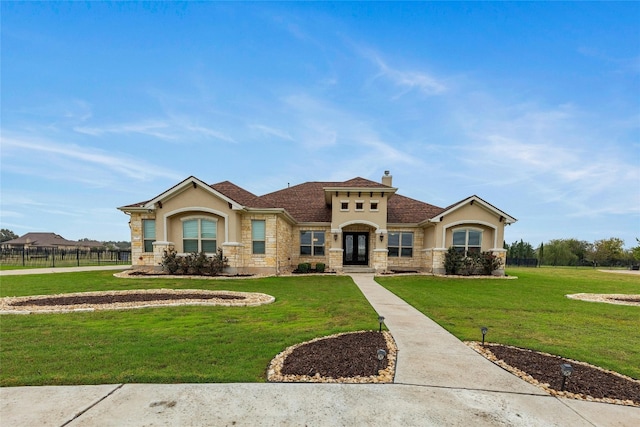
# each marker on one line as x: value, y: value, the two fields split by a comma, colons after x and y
x: 508, y: 219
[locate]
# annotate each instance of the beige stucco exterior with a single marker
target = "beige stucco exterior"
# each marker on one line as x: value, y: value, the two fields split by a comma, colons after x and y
x: 360, y: 213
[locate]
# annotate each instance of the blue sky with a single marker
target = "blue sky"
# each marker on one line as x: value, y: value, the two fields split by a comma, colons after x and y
x: 534, y: 107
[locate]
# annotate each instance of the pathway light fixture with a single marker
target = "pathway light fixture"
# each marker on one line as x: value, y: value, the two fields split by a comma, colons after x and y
x: 381, y: 354
x: 380, y: 321
x: 566, y: 370
x: 484, y: 331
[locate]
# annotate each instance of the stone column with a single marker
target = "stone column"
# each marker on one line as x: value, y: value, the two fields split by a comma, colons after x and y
x: 438, y: 260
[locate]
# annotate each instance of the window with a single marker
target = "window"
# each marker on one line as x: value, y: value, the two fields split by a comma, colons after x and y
x: 148, y: 234
x: 373, y: 205
x: 199, y: 235
x: 400, y: 244
x: 359, y: 206
x: 344, y: 206
x: 467, y: 241
x: 258, y: 228
x: 312, y: 243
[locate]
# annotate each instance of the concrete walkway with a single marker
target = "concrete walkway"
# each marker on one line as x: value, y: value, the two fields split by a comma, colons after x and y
x: 439, y: 382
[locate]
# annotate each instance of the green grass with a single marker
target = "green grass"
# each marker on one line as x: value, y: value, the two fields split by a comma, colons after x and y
x: 172, y: 344
x: 532, y: 312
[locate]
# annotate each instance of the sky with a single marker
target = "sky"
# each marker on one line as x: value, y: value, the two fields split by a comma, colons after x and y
x: 534, y: 107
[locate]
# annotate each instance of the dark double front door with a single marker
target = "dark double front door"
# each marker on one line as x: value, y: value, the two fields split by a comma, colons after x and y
x: 356, y: 248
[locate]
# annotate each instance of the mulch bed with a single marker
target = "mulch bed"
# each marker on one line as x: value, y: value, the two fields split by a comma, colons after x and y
x: 119, y: 298
x: 347, y: 355
x: 586, y: 381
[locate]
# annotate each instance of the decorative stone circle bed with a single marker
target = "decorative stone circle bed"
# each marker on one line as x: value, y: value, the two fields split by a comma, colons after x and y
x: 621, y: 299
x: 129, y: 299
x: 341, y: 358
x: 587, y: 382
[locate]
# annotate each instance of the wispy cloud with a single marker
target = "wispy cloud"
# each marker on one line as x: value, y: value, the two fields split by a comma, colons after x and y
x: 170, y: 129
x: 407, y: 80
x: 270, y: 131
x: 82, y: 157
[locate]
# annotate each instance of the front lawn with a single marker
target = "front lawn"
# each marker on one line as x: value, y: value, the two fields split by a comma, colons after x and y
x: 532, y: 312
x: 174, y: 344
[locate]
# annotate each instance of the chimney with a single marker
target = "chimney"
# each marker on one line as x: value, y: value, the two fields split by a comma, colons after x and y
x: 386, y: 179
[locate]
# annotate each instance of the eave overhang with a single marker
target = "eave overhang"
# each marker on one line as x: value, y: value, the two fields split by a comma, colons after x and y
x: 191, y: 182
x: 504, y: 217
x: 330, y: 191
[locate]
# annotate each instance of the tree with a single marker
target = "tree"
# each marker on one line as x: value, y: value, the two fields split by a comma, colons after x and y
x: 608, y: 252
x: 635, y: 252
x: 6, y: 234
x: 558, y: 252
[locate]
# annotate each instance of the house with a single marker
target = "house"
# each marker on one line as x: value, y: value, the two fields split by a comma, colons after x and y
x: 355, y: 223
x: 40, y: 241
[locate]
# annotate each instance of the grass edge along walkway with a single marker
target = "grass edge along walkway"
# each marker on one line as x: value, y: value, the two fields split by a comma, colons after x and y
x: 170, y: 345
x: 533, y: 312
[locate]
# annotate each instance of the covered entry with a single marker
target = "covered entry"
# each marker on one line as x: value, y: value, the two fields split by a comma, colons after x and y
x: 356, y: 248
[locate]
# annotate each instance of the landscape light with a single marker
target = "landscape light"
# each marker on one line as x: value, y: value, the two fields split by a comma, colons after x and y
x: 484, y: 331
x: 381, y: 355
x: 566, y: 370
x: 380, y: 321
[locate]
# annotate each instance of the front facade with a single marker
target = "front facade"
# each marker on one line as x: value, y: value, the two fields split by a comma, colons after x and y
x: 352, y: 224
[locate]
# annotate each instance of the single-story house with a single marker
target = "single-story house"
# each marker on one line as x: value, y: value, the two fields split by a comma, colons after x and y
x: 40, y: 241
x: 356, y: 223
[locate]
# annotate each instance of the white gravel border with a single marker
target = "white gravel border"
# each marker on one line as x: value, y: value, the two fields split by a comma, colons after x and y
x: 274, y: 373
x: 606, y: 298
x: 478, y: 347
x: 251, y: 299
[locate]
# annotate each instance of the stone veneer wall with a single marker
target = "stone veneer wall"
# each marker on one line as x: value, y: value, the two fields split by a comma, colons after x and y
x: 139, y: 258
x: 285, y: 233
x: 260, y: 263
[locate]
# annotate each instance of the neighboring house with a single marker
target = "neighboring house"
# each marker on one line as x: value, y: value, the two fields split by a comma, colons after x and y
x: 39, y: 240
x: 355, y: 223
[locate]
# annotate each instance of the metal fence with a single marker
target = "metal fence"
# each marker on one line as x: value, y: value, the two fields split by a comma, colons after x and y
x: 55, y: 257
x: 522, y: 262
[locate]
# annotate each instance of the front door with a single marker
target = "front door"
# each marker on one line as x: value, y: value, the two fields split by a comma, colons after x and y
x: 356, y: 248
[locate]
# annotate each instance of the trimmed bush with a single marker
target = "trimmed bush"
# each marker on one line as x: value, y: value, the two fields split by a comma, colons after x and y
x: 304, y: 267
x: 199, y: 264
x: 320, y: 267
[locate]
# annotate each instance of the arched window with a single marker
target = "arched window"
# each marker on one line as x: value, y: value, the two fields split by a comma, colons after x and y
x: 199, y: 235
x: 467, y: 241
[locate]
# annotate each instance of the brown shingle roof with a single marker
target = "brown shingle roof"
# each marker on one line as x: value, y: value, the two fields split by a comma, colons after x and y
x: 306, y: 202
x: 402, y: 210
x: 41, y: 239
x: 234, y: 192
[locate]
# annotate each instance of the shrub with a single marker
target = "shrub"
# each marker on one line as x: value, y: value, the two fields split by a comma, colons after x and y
x: 452, y: 261
x: 304, y: 267
x: 489, y: 263
x: 320, y: 267
x: 484, y: 263
x: 195, y: 263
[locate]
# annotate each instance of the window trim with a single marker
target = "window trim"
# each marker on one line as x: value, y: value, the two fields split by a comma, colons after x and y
x: 361, y: 208
x: 374, y: 202
x: 400, y: 246
x: 466, y: 246
x: 254, y: 240
x: 146, y: 238
x: 200, y: 239
x: 313, y: 246
x: 342, y: 203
